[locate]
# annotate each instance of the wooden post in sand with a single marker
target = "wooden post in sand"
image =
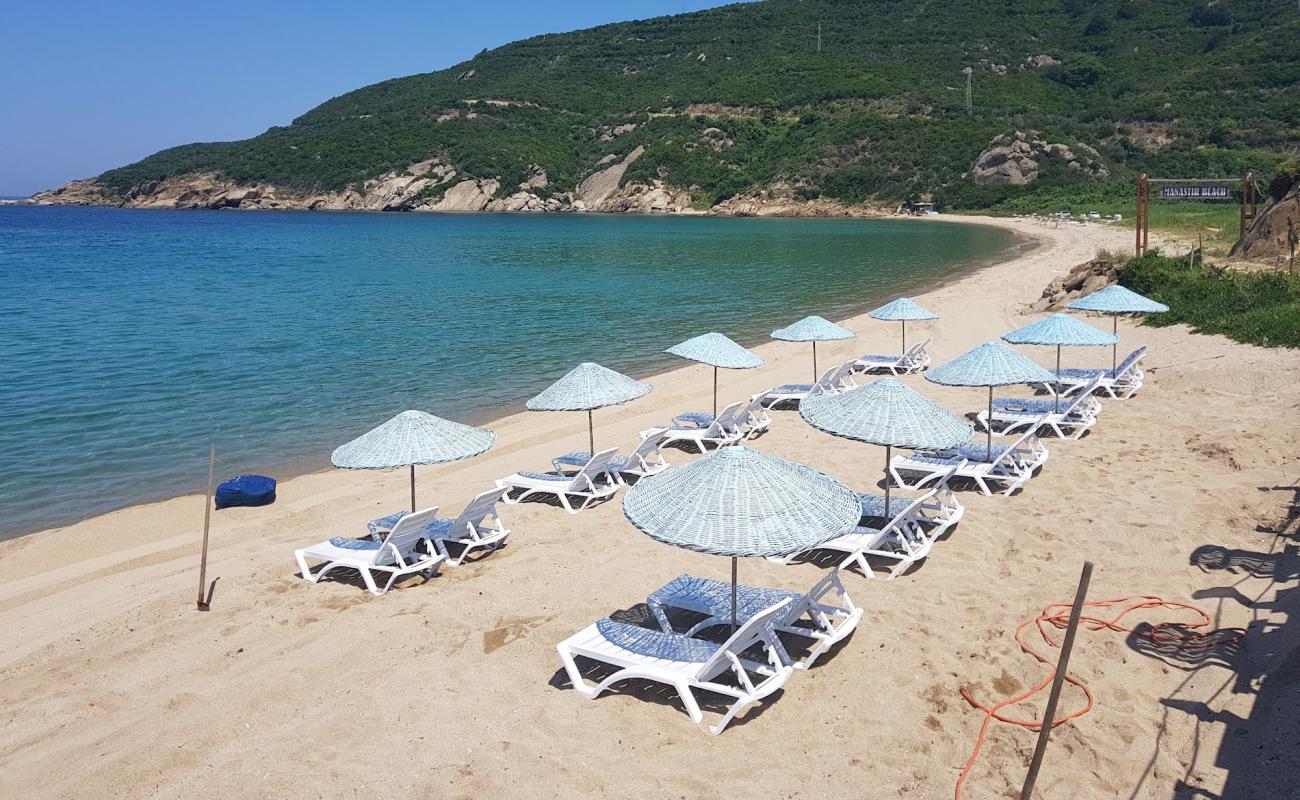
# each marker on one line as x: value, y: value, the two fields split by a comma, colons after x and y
x: 1061, y: 665
x: 207, y: 520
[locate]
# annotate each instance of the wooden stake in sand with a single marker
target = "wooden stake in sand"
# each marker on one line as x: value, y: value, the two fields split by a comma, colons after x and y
x: 207, y: 520
x: 1061, y: 665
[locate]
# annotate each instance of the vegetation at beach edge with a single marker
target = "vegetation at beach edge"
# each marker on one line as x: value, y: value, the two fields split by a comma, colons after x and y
x: 743, y: 97
x: 1261, y: 308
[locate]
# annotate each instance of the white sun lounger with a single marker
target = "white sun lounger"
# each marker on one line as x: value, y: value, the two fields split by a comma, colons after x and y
x: 592, y: 482
x: 832, y: 381
x: 828, y: 607
x: 718, y: 432
x: 915, y: 359
x: 684, y: 663
x: 646, y: 459
x: 1076, y: 415
x: 1121, y: 382
x: 397, y: 555
x: 1011, y: 465
x: 477, y: 528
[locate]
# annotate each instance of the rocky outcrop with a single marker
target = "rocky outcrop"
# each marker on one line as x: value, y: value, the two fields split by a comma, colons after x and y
x: 1277, y: 226
x: 1015, y: 160
x: 1081, y: 280
x: 602, y: 184
x: 638, y: 198
x: 781, y: 200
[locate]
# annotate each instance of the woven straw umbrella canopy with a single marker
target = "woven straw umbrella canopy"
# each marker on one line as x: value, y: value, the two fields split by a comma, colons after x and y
x: 1060, y: 330
x: 586, y: 387
x: 888, y: 413
x: 410, y: 438
x: 813, y: 329
x: 990, y: 364
x: 718, y: 352
x: 902, y: 310
x: 739, y: 502
x: 1116, y: 300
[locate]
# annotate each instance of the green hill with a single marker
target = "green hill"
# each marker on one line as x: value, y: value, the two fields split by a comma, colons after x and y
x: 739, y: 98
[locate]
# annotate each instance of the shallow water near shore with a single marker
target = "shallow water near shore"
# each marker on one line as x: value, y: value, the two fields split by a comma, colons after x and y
x: 132, y: 339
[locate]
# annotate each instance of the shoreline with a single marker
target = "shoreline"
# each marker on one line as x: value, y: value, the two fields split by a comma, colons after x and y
x: 288, y: 688
x: 657, y: 364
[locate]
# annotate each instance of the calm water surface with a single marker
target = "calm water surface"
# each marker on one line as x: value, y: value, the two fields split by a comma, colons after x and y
x: 131, y: 339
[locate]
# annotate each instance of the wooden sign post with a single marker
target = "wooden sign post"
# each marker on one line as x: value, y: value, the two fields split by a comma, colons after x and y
x: 207, y: 520
x: 1061, y: 665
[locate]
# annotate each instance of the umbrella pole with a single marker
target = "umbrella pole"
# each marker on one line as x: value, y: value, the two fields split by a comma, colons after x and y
x: 988, y: 453
x: 207, y: 519
x: 412, y: 488
x: 715, y: 392
x: 591, y: 434
x: 1056, y: 390
x: 887, y: 514
x: 904, y: 337
x: 814, y: 362
x: 733, y: 594
x: 1114, y: 348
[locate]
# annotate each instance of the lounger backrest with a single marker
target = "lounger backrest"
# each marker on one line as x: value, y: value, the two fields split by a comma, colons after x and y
x: 1080, y: 397
x: 1132, y: 360
x: 943, y: 493
x: 1030, y: 432
x: 478, y: 512
x: 826, y: 382
x: 746, y: 636
x: 901, y: 519
x: 752, y: 409
x: 593, y: 469
x: 408, y: 531
x: 726, y: 418
x: 916, y: 351
x: 844, y: 375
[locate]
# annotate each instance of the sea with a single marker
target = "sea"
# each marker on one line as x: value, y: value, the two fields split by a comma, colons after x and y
x: 132, y: 339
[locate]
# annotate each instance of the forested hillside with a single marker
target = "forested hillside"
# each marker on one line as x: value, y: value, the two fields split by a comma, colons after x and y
x: 732, y: 100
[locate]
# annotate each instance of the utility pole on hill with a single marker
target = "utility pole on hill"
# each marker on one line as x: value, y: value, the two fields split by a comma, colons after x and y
x: 970, y: 107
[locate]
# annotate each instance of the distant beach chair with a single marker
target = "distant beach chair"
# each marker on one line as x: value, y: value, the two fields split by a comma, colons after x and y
x: 592, y: 482
x: 830, y: 612
x: 682, y: 662
x: 717, y: 431
x: 835, y: 379
x: 915, y: 359
x: 647, y: 459
x: 1072, y: 421
x: 1120, y: 383
x: 396, y: 555
x: 1010, y: 465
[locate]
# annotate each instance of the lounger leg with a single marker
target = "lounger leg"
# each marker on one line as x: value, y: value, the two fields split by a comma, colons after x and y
x: 370, y: 582
x: 580, y: 684
x: 736, y: 708
x: 304, y: 570
x: 688, y: 700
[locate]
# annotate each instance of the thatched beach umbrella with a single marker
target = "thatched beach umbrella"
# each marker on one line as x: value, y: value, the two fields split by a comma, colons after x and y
x: 902, y: 310
x: 887, y: 413
x: 718, y: 352
x: 1116, y: 300
x: 813, y: 329
x: 586, y: 387
x: 738, y: 502
x: 1059, y: 331
x: 410, y: 438
x: 990, y: 364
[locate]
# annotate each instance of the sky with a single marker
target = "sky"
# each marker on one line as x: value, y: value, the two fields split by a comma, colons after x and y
x: 87, y: 86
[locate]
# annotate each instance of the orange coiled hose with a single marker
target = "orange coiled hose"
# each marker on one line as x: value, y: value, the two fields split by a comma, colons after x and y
x: 1057, y: 615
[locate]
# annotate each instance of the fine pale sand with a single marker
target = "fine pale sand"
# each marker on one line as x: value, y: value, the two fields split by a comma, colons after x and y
x: 112, y: 685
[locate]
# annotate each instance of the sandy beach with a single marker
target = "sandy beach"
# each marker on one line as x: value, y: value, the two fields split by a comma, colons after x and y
x: 112, y: 685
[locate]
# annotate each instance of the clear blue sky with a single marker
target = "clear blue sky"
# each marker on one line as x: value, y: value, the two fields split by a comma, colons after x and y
x: 86, y: 86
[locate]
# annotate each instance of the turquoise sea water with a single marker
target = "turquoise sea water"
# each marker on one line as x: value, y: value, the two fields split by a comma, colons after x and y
x: 132, y: 339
